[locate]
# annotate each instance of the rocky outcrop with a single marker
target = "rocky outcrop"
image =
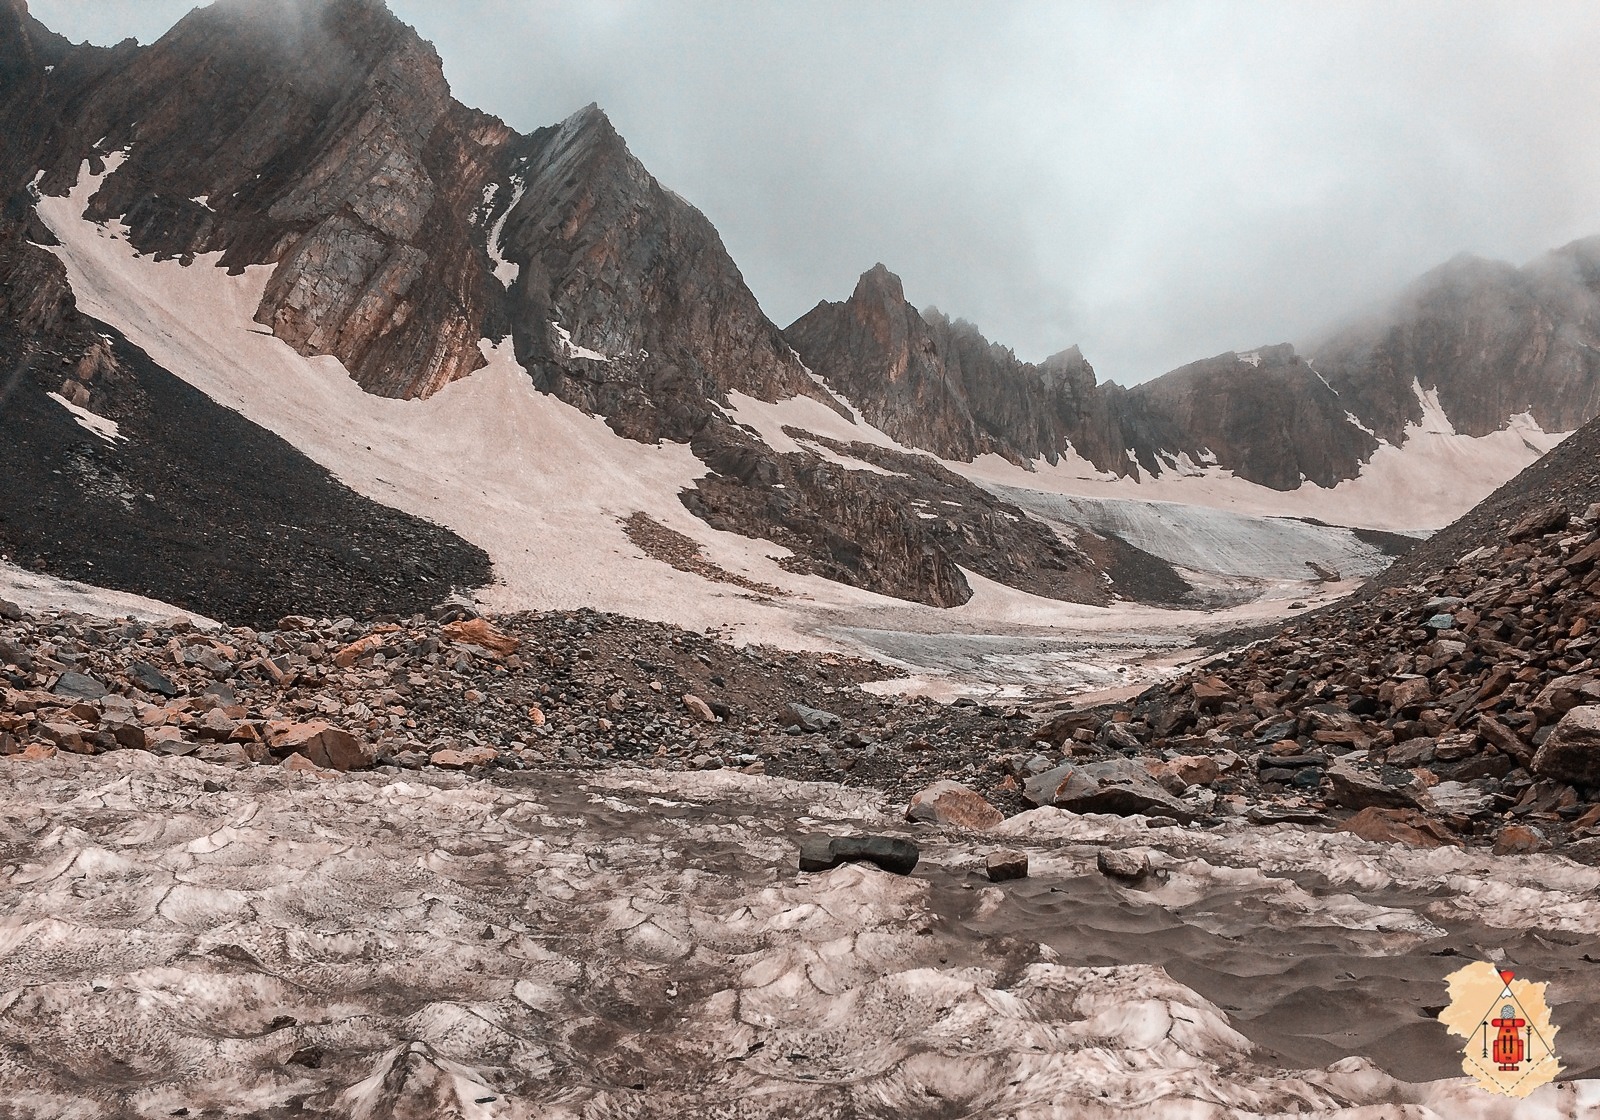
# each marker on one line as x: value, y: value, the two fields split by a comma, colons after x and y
x: 1491, y: 339
x: 1264, y: 414
x: 908, y: 527
x: 317, y: 138
x: 938, y: 384
x: 622, y: 298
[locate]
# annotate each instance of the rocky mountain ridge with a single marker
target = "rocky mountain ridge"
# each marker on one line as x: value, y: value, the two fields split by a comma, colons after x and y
x: 319, y: 139
x: 1489, y: 341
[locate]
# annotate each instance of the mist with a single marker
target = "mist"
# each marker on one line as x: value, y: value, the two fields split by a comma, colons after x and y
x: 1156, y: 183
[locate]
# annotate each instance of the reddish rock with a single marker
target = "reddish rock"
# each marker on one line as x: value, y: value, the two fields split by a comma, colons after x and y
x: 1398, y: 826
x: 1519, y: 839
x: 950, y: 803
x: 470, y: 758
x: 1005, y: 864
x: 699, y: 708
x: 479, y: 632
x: 322, y: 743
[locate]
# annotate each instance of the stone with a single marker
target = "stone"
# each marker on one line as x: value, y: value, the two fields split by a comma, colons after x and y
x: 1196, y: 769
x: 1410, y: 693
x: 1005, y: 864
x: 1572, y: 752
x: 322, y: 743
x: 1397, y: 826
x: 470, y: 758
x: 13, y: 654
x: 810, y: 719
x: 215, y: 725
x: 10, y: 611
x: 953, y: 804
x: 1355, y: 789
x: 79, y: 686
x: 536, y: 716
x: 1563, y: 694
x: 301, y: 764
x: 479, y: 632
x: 38, y: 752
x: 1121, y: 863
x: 892, y: 853
x: 1210, y: 693
x: 67, y: 736
x: 699, y: 708
x: 1121, y: 736
x: 1119, y: 786
x: 1519, y: 839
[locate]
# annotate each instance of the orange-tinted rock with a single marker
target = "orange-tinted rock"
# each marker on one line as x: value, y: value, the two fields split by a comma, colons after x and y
x: 468, y: 759
x: 479, y: 632
x: 951, y: 803
x: 1398, y: 826
x: 322, y: 743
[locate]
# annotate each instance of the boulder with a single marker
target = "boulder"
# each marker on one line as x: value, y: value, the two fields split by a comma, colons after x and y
x: 951, y: 803
x: 892, y: 853
x: 1572, y: 753
x: 1563, y: 694
x: 1412, y: 692
x: 1397, y: 826
x: 150, y: 679
x: 469, y: 758
x: 321, y: 743
x: 810, y: 719
x: 1119, y: 786
x: 1006, y: 864
x: 1357, y: 789
x: 699, y: 708
x: 478, y: 632
x: 1117, y: 863
x: 79, y: 686
x: 1519, y: 839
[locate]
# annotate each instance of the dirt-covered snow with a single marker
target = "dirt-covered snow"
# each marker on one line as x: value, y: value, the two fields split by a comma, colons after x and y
x: 177, y: 935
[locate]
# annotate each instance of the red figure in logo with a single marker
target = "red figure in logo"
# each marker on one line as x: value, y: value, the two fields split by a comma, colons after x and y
x: 1509, y: 1048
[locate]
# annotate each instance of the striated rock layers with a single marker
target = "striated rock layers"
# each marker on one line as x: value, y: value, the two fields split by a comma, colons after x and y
x: 622, y: 298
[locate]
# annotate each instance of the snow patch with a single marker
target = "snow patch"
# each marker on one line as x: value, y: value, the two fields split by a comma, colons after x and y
x: 572, y: 349
x: 504, y: 271
x: 99, y: 425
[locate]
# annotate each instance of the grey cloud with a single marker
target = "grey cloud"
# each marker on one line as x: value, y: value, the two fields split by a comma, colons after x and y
x: 1154, y: 182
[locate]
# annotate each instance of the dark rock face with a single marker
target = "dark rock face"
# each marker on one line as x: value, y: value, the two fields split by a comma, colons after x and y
x: 907, y: 533
x: 1265, y: 415
x: 316, y: 137
x: 611, y: 263
x: 940, y: 385
x: 1492, y: 339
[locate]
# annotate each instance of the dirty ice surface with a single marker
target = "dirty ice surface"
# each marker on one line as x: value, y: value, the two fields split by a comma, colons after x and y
x: 640, y: 944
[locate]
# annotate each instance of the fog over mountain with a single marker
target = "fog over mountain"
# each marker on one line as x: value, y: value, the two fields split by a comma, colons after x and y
x: 1150, y: 183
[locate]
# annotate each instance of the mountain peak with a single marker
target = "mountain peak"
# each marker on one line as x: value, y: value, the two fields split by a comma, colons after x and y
x: 879, y: 284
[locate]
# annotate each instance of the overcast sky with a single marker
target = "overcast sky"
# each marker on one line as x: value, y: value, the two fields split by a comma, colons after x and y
x: 1157, y: 182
